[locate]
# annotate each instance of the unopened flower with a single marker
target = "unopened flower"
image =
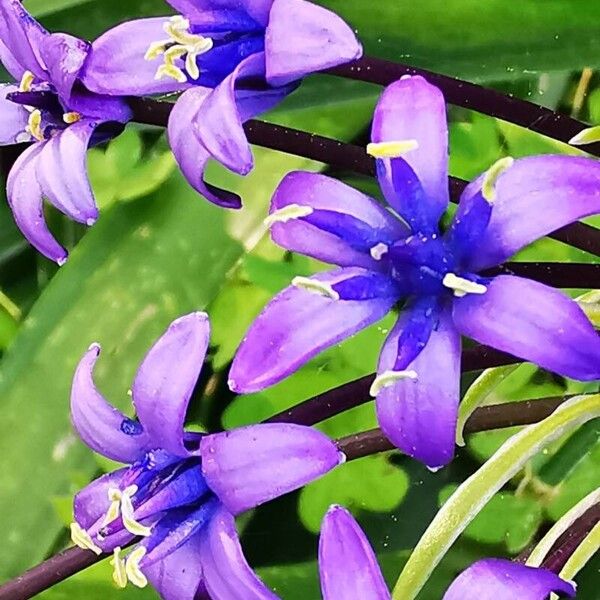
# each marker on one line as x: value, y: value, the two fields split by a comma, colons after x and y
x: 181, y: 490
x: 235, y: 58
x: 397, y: 254
x: 349, y: 570
x: 51, y: 108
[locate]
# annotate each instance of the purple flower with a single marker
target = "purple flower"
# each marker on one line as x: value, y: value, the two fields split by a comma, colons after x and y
x: 50, y: 107
x: 397, y: 254
x: 182, y: 490
x: 235, y: 58
x: 348, y: 568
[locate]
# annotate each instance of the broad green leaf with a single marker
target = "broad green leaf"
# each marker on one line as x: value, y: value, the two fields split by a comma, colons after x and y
x: 474, y: 493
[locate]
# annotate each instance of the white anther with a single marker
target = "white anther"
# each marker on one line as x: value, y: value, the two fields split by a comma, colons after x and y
x: 118, y: 564
x: 127, y: 510
x: 34, y: 125
x: 71, y: 117
x: 26, y: 81
x: 378, y: 250
x: 388, y: 378
x: 179, y: 44
x: 314, y: 286
x: 288, y: 213
x: 462, y: 286
x: 132, y: 567
x: 82, y: 539
x: 586, y: 136
x: 392, y: 149
x: 488, y: 187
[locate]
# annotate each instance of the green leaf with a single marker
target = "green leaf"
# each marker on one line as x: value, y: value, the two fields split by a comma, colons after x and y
x: 507, y: 519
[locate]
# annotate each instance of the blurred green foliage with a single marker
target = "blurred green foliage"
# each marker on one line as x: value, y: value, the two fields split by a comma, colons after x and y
x: 159, y: 251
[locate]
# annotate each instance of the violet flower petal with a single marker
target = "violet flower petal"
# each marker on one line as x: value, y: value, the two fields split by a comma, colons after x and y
x: 63, y: 56
x: 250, y: 465
x: 500, y: 579
x: 99, y: 108
x: 295, y: 326
x: 302, y: 38
x: 13, y: 117
x: 116, y: 65
x: 11, y: 64
x: 197, y: 9
x: 178, y: 576
x: 22, y: 36
x: 411, y: 109
x: 419, y: 415
x: 534, y: 197
x: 347, y: 564
x: 321, y: 193
x: 91, y: 503
x: 227, y: 575
x: 25, y: 199
x: 534, y: 322
x: 62, y: 172
x: 102, y: 427
x: 166, y: 378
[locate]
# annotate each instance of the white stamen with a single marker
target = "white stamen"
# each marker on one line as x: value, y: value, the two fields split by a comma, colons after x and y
x: 119, y: 575
x: 71, y: 117
x: 34, y: 125
x: 82, y: 539
x: 114, y: 510
x: 179, y: 44
x: 26, y: 81
x: 388, y: 378
x: 127, y: 510
x: 392, y: 149
x: 488, y: 187
x: 586, y: 136
x: 288, y: 213
x: 314, y: 286
x: 378, y: 250
x: 132, y: 567
x: 462, y: 286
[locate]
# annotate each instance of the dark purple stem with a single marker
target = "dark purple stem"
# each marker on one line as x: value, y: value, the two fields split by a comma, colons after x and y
x: 470, y: 95
x: 341, y: 156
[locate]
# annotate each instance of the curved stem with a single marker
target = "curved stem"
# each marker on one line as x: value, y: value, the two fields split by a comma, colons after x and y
x: 342, y: 156
x: 472, y: 96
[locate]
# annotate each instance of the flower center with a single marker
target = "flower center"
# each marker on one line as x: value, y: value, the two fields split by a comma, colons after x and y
x: 180, y: 43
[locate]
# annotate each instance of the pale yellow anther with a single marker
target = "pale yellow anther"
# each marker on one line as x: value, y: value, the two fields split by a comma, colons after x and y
x: 461, y: 286
x: 82, y: 539
x: 314, y: 286
x: 71, y: 117
x: 391, y: 149
x: 114, y: 510
x: 34, y: 125
x: 118, y: 564
x: 180, y: 43
x: 378, y: 250
x: 590, y: 135
x: 132, y: 567
x: 488, y: 187
x: 127, y: 510
x: 26, y: 81
x: 288, y: 213
x: 388, y: 378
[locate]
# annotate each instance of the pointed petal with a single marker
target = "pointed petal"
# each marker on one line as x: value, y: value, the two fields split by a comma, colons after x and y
x: 326, y: 196
x: 248, y: 466
x: 13, y: 118
x: 178, y: 576
x: 62, y: 172
x: 302, y: 38
x: 499, y: 579
x: 91, y: 503
x: 347, y: 564
x: 22, y: 35
x: 166, y: 378
x: 534, y: 197
x: 419, y: 415
x: 412, y: 109
x: 24, y: 196
x: 532, y: 321
x: 101, y: 426
x: 63, y: 56
x: 227, y: 575
x: 197, y: 9
x: 295, y: 326
x: 116, y: 65
x: 10, y: 63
